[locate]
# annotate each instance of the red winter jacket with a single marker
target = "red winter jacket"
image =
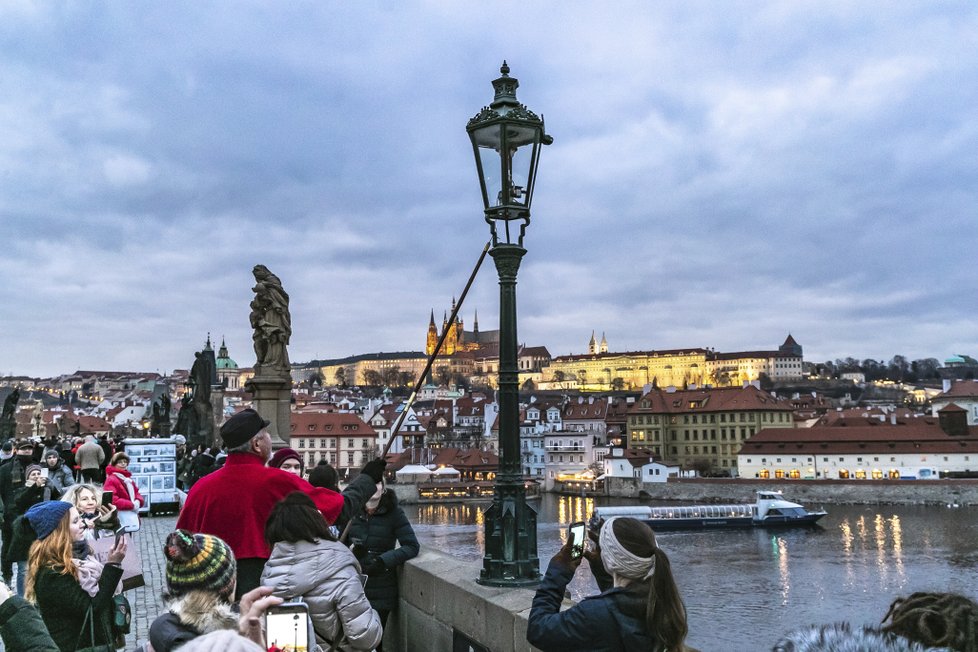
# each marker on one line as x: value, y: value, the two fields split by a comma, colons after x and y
x: 116, y: 481
x: 234, y: 502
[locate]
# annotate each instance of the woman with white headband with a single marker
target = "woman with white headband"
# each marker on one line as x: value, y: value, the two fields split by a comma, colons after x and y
x: 642, y: 610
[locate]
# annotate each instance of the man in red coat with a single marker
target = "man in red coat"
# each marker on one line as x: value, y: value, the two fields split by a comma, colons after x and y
x: 234, y: 502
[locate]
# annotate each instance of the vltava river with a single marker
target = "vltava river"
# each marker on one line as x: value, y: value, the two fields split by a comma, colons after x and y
x: 745, y: 588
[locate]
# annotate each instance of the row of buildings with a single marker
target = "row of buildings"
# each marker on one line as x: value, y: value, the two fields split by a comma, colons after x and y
x: 473, y: 356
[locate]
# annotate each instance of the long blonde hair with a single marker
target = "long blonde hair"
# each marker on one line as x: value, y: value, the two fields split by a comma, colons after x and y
x: 52, y: 552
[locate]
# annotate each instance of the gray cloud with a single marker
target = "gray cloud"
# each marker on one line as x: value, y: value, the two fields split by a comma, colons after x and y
x: 718, y: 178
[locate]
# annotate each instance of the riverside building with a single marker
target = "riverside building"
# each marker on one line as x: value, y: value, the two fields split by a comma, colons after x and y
x: 703, y: 428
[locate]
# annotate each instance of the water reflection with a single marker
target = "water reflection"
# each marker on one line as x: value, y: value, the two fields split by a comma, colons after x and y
x: 745, y: 588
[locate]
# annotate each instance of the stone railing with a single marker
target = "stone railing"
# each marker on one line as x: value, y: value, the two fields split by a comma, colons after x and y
x: 443, y: 608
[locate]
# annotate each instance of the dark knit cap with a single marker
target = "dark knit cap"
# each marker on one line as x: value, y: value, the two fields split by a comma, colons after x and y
x: 282, y: 454
x: 241, y: 427
x: 323, y: 475
x: 198, y: 562
x: 44, y: 517
x: 32, y: 467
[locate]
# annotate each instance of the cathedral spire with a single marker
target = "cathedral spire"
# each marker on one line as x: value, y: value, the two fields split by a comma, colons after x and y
x: 432, y: 322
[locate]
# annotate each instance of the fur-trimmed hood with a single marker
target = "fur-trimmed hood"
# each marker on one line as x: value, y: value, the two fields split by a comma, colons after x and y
x: 842, y: 637
x: 189, y: 616
x: 203, y: 611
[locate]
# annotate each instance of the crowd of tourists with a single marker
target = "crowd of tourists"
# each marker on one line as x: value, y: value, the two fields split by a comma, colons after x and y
x: 257, y: 531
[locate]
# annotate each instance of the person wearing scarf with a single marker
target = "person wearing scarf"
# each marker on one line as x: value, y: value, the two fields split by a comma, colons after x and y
x: 65, y: 580
x: 641, y: 608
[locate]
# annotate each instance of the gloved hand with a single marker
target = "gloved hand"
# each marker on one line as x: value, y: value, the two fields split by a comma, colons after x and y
x: 373, y: 565
x: 375, y: 469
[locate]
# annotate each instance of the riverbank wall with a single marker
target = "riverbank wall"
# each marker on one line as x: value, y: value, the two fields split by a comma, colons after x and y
x: 442, y: 607
x: 807, y: 492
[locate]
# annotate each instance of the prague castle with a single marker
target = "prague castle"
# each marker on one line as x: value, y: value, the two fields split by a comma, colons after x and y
x: 459, y: 340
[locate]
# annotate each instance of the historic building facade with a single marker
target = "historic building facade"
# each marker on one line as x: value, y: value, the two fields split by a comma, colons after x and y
x: 600, y: 370
x: 704, y: 427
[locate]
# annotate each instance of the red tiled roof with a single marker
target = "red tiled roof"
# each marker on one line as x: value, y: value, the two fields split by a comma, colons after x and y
x: 329, y: 424
x: 960, y: 389
x: 885, y: 438
x: 466, y: 459
x: 721, y: 399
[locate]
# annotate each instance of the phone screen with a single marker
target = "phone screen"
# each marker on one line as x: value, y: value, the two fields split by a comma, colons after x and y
x: 577, y: 539
x: 45, y: 472
x: 106, y: 498
x: 287, y: 627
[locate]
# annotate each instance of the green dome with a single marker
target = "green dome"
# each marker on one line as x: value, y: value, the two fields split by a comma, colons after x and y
x: 226, y: 363
x: 954, y: 359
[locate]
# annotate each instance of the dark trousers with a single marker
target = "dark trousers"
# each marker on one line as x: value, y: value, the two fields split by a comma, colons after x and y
x: 90, y: 476
x: 383, y: 613
x: 249, y: 575
x: 6, y: 566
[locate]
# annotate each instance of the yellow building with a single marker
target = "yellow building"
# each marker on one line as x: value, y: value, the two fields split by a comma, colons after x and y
x: 704, y: 427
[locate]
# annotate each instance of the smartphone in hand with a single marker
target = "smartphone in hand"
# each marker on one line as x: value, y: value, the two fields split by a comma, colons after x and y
x: 288, y: 625
x: 576, y: 532
x: 106, y: 498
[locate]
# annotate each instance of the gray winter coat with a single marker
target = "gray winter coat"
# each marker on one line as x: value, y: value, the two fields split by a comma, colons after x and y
x: 327, y: 577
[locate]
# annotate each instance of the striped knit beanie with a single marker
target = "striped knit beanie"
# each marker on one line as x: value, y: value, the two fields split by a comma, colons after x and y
x: 198, y: 562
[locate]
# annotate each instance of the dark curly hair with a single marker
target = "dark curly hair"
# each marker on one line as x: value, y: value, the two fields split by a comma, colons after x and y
x: 935, y: 619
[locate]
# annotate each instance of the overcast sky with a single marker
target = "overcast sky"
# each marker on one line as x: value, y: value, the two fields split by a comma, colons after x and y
x: 721, y: 174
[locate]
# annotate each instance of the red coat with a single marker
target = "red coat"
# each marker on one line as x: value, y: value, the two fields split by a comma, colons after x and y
x: 234, y: 502
x: 116, y: 481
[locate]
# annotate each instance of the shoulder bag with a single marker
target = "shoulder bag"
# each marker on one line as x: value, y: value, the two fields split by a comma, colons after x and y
x: 90, y: 621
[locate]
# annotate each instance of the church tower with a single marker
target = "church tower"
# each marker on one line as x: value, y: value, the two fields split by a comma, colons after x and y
x: 592, y: 346
x: 432, y: 335
x: 604, y: 344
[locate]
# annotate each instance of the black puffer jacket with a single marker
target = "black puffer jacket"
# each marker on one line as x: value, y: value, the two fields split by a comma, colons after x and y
x: 377, y: 535
x: 612, y: 621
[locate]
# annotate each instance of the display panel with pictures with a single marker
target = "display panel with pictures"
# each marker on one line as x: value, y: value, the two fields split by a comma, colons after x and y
x: 153, y: 464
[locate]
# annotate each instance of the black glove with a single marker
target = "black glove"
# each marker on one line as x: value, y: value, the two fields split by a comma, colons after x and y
x: 374, y: 565
x: 375, y: 469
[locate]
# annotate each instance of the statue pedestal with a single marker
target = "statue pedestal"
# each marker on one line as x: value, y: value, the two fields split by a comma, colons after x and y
x: 273, y: 401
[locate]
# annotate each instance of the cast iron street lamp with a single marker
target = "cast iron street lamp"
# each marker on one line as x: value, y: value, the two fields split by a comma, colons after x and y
x: 506, y: 139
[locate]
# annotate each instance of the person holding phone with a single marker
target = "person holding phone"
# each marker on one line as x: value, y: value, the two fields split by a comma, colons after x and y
x: 66, y: 582
x: 37, y: 490
x: 308, y: 563
x: 60, y: 476
x: 96, y: 511
x: 643, y: 610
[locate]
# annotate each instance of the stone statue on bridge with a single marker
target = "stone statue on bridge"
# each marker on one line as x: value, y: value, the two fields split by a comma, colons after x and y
x: 272, y: 322
x: 8, y: 422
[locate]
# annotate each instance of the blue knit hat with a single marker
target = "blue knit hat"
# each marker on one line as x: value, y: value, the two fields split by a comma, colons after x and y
x: 44, y: 517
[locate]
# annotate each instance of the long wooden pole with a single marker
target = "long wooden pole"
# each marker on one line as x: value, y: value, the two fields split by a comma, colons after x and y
x: 434, y: 354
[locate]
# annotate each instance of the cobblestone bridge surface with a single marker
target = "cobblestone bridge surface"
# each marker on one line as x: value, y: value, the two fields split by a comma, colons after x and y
x: 147, y: 601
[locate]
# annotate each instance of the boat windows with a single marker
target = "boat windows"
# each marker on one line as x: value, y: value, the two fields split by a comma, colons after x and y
x: 877, y: 474
x: 764, y: 474
x: 794, y: 474
x: 779, y: 473
x: 843, y: 474
x: 860, y: 474
x: 894, y: 474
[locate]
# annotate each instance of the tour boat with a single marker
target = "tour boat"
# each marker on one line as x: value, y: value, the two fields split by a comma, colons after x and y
x: 770, y: 510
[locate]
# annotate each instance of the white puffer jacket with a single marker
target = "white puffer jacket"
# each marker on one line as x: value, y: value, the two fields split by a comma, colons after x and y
x: 327, y: 577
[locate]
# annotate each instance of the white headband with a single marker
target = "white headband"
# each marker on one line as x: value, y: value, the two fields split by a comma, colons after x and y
x: 619, y: 561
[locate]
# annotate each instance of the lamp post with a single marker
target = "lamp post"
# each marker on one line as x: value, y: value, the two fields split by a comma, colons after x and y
x: 506, y: 140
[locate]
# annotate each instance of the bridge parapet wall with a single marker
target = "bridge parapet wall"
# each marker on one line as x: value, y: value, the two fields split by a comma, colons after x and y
x: 440, y: 599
